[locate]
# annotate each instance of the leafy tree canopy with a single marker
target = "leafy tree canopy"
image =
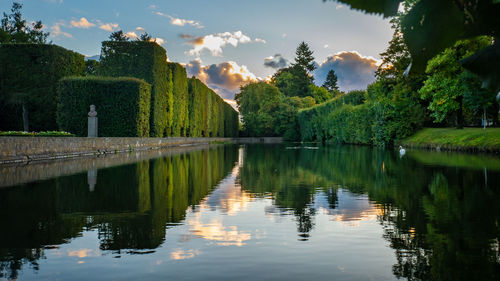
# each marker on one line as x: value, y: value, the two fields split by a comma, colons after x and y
x: 15, y: 29
x: 331, y: 81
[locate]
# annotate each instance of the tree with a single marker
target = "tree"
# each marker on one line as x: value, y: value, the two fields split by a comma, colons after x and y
x: 431, y: 26
x: 15, y: 29
x: 331, y: 81
x: 292, y: 81
x: 449, y: 82
x: 118, y: 36
x: 145, y: 37
x: 304, y: 57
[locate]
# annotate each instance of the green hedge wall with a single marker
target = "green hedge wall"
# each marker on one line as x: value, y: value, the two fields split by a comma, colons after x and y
x: 312, y: 120
x: 148, y: 61
x: 209, y: 115
x: 180, y: 96
x: 348, y: 119
x: 122, y: 105
x: 29, y: 73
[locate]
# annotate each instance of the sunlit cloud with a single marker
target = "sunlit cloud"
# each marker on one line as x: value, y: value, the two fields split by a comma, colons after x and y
x: 108, y: 26
x: 215, y: 42
x: 179, y: 21
x: 354, y: 71
x: 277, y: 62
x: 132, y: 35
x: 224, y: 78
x: 259, y: 40
x: 56, y: 31
x: 158, y: 40
x: 82, y: 23
x: 139, y: 28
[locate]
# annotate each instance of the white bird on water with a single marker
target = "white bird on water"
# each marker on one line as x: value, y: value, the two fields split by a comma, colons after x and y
x: 402, y: 151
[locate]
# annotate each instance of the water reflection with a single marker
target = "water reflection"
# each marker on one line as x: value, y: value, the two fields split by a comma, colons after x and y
x: 343, y: 213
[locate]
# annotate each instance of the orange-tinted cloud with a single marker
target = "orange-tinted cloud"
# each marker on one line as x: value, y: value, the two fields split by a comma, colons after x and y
x: 225, y: 78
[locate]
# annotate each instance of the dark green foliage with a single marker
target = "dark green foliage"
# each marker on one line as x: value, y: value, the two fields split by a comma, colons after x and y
x: 209, y: 115
x: 180, y: 95
x: 29, y: 75
x: 304, y: 57
x: 122, y: 105
x: 118, y: 36
x: 148, y: 61
x: 331, y: 81
x: 293, y: 81
x: 92, y: 67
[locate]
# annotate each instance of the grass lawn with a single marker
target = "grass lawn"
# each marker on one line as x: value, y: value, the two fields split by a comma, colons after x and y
x: 468, y: 139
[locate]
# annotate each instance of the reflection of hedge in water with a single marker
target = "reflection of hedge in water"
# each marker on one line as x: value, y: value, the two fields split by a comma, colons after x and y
x: 436, y: 219
x: 130, y: 205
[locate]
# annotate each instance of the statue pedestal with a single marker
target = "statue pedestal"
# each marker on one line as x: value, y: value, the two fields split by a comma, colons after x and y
x: 92, y: 128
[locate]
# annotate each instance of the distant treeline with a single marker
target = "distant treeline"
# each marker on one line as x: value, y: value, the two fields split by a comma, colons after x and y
x: 135, y: 90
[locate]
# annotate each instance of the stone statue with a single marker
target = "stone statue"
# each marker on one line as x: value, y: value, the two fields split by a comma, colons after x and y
x: 92, y: 112
x: 92, y: 122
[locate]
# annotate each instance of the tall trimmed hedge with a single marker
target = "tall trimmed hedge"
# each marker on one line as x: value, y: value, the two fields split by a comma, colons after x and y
x: 180, y: 95
x: 209, y: 115
x: 29, y: 74
x: 122, y: 105
x: 312, y: 120
x: 148, y: 61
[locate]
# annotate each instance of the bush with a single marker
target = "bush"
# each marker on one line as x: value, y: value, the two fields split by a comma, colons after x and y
x: 29, y: 75
x: 180, y: 96
x: 148, y: 61
x: 122, y: 105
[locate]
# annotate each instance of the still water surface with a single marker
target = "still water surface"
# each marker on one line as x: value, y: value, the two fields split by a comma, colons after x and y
x: 260, y: 212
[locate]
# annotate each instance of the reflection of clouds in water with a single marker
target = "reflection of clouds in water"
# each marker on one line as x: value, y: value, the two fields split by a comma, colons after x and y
x: 216, y: 231
x: 351, y: 207
x: 229, y: 196
x: 180, y: 254
x: 83, y: 253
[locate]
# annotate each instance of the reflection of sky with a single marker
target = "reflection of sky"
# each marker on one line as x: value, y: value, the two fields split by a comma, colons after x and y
x: 234, y: 235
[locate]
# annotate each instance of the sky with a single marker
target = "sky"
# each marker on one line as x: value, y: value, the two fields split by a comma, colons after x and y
x: 226, y: 43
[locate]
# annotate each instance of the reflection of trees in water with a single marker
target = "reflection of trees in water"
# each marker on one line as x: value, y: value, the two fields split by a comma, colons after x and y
x: 442, y: 222
x: 129, y: 207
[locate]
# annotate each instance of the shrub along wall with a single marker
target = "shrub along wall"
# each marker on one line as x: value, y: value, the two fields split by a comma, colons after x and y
x: 122, y: 105
x: 180, y: 96
x: 29, y: 75
x: 148, y: 61
x: 209, y: 115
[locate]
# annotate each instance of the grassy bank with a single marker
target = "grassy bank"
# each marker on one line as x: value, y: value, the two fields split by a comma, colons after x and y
x: 468, y: 139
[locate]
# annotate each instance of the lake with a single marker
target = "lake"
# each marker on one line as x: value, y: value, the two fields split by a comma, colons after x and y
x: 254, y: 212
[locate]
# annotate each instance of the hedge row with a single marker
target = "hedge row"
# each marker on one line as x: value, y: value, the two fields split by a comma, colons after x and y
x: 348, y: 119
x: 312, y: 120
x: 209, y: 115
x: 122, y: 105
x: 29, y: 75
x: 180, y: 94
x: 148, y: 61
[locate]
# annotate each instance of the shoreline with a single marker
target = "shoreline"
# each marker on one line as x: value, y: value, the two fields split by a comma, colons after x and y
x: 28, y: 149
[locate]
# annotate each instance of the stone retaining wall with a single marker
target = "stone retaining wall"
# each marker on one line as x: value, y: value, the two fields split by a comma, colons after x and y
x: 26, y: 149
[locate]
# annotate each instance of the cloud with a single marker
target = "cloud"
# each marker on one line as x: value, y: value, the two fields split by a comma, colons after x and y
x: 224, y: 78
x: 159, y: 40
x: 326, y: 46
x: 82, y: 23
x: 132, y: 35
x: 181, y: 22
x: 215, y: 42
x: 277, y: 62
x: 108, y: 26
x: 353, y: 70
x: 140, y: 28
x: 284, y: 35
x: 56, y: 31
x: 259, y: 40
